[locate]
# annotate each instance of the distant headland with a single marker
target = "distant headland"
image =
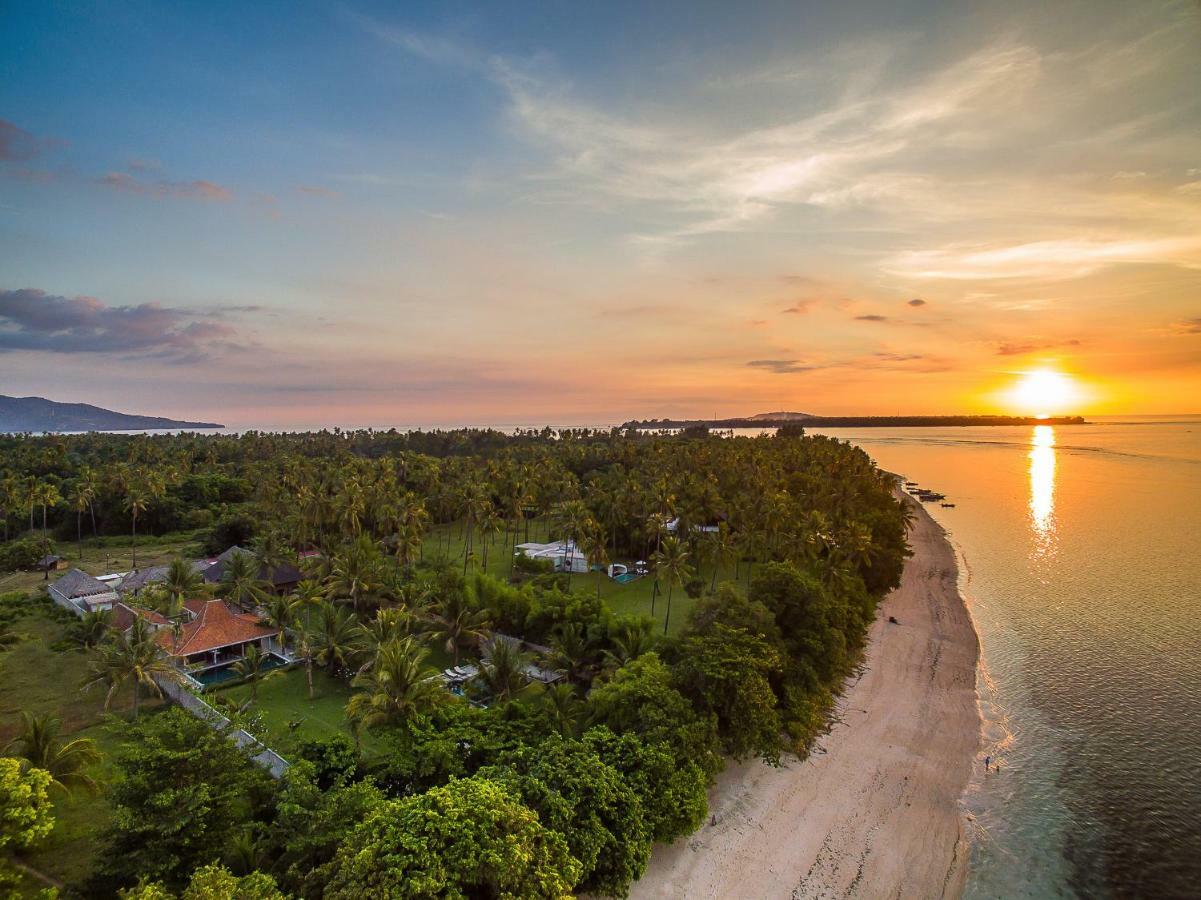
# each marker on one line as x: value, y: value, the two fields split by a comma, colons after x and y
x: 36, y: 414
x: 782, y: 419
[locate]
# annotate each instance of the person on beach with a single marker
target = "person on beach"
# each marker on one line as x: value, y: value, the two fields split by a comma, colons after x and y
x: 987, y: 761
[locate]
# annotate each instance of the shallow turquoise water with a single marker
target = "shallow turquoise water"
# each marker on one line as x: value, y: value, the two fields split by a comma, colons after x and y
x: 1081, y: 561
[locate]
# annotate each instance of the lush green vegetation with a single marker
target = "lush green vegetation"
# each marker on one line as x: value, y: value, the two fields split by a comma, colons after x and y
x: 768, y: 558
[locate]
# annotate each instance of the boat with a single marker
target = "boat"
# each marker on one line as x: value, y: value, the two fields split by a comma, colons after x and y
x: 948, y: 506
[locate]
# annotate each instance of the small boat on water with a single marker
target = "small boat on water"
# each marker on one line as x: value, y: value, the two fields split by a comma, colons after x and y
x: 948, y: 506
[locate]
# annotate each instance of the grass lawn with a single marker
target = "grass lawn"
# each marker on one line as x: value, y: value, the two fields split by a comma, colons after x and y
x: 34, y: 677
x: 630, y: 598
x: 283, y: 699
x: 105, y: 556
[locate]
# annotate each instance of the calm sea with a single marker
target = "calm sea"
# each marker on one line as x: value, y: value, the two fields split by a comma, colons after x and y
x: 1080, y: 551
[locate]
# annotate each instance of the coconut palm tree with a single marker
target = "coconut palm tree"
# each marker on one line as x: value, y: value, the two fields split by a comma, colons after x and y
x: 47, y: 495
x: 631, y: 641
x: 252, y: 668
x: 504, y: 670
x: 92, y: 628
x: 573, y: 653
x: 457, y: 625
x: 355, y: 574
x: 136, y: 502
x: 672, y: 561
x: 240, y: 581
x: 566, y: 708
x: 387, y: 626
x: 280, y: 612
x: 182, y: 580
x: 68, y: 762
x: 132, y: 657
x: 333, y: 639
x: 396, y: 687
x: 82, y: 495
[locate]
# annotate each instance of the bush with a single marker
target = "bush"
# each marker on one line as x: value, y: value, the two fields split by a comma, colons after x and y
x: 21, y: 554
x: 695, y: 587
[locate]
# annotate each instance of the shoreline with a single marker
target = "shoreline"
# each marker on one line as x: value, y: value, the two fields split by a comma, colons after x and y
x: 875, y: 808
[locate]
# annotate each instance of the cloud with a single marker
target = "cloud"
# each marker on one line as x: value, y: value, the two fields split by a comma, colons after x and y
x: 1055, y: 259
x: 1013, y: 348
x: 180, y: 190
x: 871, y: 318
x: 31, y: 319
x: 917, y: 301
x: 1188, y: 326
x: 800, y: 308
x: 313, y: 190
x: 780, y: 366
x: 16, y: 144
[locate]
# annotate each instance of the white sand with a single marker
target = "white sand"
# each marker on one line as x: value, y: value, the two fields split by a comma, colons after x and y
x: 874, y: 811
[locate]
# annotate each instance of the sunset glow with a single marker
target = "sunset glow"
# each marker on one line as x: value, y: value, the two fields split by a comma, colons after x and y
x: 1044, y: 392
x: 503, y: 217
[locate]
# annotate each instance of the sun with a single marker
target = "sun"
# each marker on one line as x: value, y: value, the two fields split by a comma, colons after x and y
x: 1044, y: 392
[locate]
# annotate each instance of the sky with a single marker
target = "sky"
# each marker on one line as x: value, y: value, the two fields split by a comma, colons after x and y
x: 300, y: 214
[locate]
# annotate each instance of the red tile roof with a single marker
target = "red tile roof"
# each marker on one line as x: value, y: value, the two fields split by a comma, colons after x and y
x: 215, y: 626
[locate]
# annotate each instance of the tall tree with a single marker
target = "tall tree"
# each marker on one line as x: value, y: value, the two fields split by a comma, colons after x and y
x: 68, y: 762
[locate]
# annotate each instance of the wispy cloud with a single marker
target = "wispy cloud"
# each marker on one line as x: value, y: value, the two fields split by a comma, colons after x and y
x: 781, y: 366
x: 313, y: 190
x: 1188, y: 326
x: 179, y: 190
x: 871, y: 317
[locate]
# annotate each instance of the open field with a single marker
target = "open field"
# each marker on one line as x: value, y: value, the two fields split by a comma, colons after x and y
x: 35, y: 677
x: 106, y: 555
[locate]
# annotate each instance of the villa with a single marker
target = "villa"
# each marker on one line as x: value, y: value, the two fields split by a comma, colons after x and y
x: 564, y: 555
x: 79, y: 592
x: 215, y: 637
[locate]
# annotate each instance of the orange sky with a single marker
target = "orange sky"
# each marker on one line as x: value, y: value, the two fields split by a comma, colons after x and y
x: 429, y: 218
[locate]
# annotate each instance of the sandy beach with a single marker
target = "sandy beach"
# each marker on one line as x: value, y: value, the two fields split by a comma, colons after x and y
x: 874, y: 811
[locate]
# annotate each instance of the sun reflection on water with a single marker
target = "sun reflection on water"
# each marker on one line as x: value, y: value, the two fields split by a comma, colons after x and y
x: 1042, y: 487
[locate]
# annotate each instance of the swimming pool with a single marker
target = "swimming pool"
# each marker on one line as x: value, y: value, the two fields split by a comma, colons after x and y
x: 625, y: 576
x: 211, y: 677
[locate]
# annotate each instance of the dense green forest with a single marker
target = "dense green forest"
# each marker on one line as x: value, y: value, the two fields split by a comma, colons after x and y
x: 774, y: 550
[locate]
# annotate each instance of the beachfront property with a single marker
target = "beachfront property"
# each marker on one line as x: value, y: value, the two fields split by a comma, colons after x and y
x: 79, y: 592
x: 282, y: 579
x: 564, y: 555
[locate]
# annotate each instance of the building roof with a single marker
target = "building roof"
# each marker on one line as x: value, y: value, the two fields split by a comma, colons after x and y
x: 125, y: 615
x: 216, y: 625
x: 284, y: 574
x: 139, y: 578
x: 78, y: 583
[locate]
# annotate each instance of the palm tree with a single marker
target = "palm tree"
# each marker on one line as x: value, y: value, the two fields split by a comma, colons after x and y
x: 565, y: 708
x: 137, y: 500
x: 631, y: 641
x: 355, y: 574
x: 88, y: 485
x: 92, y: 628
x: 241, y: 581
x: 504, y: 670
x: 82, y: 495
x: 672, y: 561
x: 572, y: 652
x: 181, y: 580
x: 303, y: 650
x: 47, y: 495
x: 131, y: 657
x: 252, y: 667
x: 333, y: 638
x: 279, y: 612
x: 38, y: 744
x: 388, y: 626
x: 458, y: 625
x: 396, y: 687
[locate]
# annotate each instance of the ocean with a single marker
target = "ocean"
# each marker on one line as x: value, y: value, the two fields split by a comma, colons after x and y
x: 1080, y: 559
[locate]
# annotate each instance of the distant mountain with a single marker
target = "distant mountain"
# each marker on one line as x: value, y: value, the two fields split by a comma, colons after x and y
x: 19, y: 414
x: 781, y: 416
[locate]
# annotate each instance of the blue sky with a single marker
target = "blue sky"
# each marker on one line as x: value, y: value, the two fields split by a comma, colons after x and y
x: 397, y: 214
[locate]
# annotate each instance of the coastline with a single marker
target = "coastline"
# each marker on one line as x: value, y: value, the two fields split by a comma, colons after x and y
x: 875, y: 808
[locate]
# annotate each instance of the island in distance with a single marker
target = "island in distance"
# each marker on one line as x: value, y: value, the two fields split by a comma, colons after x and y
x: 781, y: 419
x: 20, y: 414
